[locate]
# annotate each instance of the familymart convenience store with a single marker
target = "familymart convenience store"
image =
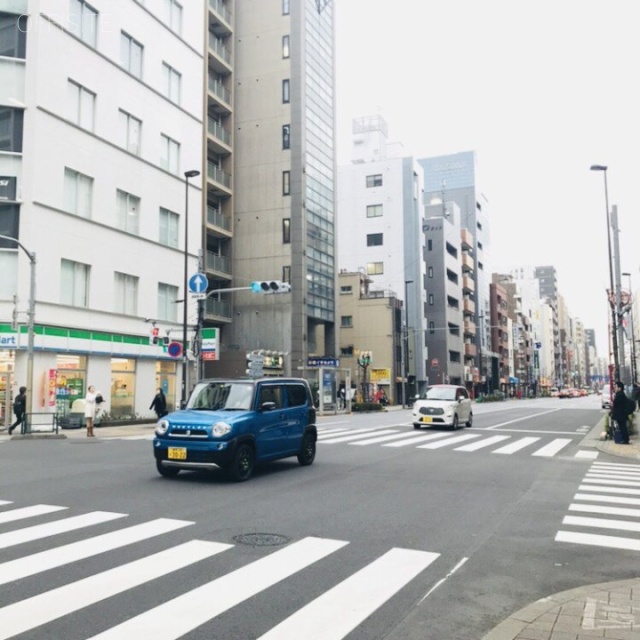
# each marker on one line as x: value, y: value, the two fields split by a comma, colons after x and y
x: 126, y: 369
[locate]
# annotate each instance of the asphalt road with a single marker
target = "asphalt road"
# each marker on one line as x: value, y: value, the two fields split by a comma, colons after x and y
x: 385, y: 536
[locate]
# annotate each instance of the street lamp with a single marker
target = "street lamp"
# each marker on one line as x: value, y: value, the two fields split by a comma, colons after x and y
x: 614, y: 319
x: 31, y: 314
x: 183, y: 388
x: 405, y: 344
x: 634, y: 368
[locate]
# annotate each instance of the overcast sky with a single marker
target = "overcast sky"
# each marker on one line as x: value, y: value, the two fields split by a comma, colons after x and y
x: 541, y: 91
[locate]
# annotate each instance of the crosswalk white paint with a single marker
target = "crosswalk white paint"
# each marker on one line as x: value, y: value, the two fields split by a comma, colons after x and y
x: 28, y: 512
x: 39, y: 531
x: 604, y: 488
x: 330, y: 616
x: 28, y: 614
x: 394, y: 436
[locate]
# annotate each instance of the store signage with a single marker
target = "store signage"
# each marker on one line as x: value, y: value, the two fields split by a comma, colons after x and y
x: 323, y: 362
x: 8, y: 340
x: 52, y: 387
x: 7, y: 188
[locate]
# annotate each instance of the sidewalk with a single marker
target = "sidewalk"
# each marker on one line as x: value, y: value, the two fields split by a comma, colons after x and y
x: 609, y: 610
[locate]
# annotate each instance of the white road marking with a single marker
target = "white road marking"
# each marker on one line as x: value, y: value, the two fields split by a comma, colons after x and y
x: 601, y: 523
x: 474, y: 446
x: 612, y: 542
x: 620, y: 490
x: 448, y: 441
x: 550, y: 450
x: 28, y: 512
x: 590, y: 455
x: 516, y: 446
x: 608, y: 511
x: 395, y: 436
x: 529, y: 417
x: 418, y: 438
x: 359, y: 436
x: 592, y: 497
x: 617, y: 483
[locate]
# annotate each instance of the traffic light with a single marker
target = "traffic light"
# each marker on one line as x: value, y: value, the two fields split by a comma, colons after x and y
x: 166, y: 340
x: 270, y: 286
x: 155, y: 338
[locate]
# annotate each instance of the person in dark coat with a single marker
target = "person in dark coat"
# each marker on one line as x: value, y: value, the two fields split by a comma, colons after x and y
x: 635, y: 394
x: 159, y: 404
x: 19, y: 408
x: 619, y: 411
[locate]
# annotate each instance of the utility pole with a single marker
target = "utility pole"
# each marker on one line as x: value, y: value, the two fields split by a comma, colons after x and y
x: 619, y: 329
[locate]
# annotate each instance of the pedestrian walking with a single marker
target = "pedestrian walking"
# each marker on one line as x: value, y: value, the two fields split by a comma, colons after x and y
x: 159, y: 404
x: 19, y: 408
x: 91, y: 402
x: 620, y: 411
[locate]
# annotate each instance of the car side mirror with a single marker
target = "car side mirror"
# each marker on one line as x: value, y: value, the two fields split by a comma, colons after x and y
x: 267, y: 406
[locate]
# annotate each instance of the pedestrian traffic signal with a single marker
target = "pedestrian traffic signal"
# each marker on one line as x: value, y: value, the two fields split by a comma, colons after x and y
x: 270, y: 286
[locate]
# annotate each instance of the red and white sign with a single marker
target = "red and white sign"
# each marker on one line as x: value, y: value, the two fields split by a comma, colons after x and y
x: 209, y: 355
x: 52, y: 387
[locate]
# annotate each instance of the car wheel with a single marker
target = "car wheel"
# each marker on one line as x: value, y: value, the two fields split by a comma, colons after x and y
x: 242, y: 466
x: 469, y: 422
x: 166, y: 472
x: 307, y: 450
x: 416, y: 425
x: 454, y: 424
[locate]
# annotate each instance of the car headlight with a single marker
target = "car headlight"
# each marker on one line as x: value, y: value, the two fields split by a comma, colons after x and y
x: 161, y: 427
x: 220, y: 429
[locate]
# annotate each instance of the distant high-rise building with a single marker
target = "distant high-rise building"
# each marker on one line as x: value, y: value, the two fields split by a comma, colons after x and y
x: 548, y: 282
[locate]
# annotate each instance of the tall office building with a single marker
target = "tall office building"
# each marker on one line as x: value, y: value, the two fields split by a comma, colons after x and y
x: 272, y: 61
x: 100, y: 116
x: 453, y: 178
x: 548, y: 282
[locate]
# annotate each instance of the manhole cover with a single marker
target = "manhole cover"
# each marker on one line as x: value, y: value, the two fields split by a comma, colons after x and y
x: 261, y: 539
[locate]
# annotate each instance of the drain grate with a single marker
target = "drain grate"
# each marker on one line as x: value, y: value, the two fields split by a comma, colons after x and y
x: 261, y: 539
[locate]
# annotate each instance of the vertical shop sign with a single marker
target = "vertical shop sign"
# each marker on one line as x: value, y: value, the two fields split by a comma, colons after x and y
x: 53, y: 373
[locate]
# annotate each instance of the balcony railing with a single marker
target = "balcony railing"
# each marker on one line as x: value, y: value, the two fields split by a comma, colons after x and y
x: 214, y: 262
x: 219, y: 90
x: 469, y: 305
x: 221, y: 9
x: 469, y: 327
x: 216, y: 45
x: 218, y: 175
x: 218, y: 131
x: 218, y: 308
x: 217, y: 219
x: 468, y: 284
x: 469, y: 349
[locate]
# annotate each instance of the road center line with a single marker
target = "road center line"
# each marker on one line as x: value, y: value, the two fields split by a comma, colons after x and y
x: 535, y: 415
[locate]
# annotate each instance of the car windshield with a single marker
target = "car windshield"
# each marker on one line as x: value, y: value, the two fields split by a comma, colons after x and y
x: 216, y: 396
x: 440, y: 393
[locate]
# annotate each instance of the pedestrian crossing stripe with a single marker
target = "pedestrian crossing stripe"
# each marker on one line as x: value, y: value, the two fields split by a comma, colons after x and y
x: 603, y: 488
x: 391, y: 437
x: 330, y: 616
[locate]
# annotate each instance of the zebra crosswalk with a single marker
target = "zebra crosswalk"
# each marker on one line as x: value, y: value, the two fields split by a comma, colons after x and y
x: 398, y: 436
x: 356, y: 597
x: 610, y: 496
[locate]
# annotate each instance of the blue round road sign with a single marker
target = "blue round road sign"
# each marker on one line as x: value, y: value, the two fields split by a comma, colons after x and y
x: 175, y: 349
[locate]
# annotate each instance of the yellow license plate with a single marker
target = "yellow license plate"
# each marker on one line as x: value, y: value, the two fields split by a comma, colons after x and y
x: 426, y: 419
x: 177, y: 453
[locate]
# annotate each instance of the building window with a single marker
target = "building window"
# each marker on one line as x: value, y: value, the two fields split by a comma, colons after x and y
x: 429, y: 245
x: 374, y: 239
x: 11, y: 126
x: 374, y: 181
x: 286, y: 230
x: 78, y: 193
x: 346, y: 290
x: 168, y: 232
x: 83, y: 103
x: 173, y: 15
x: 128, y: 212
x: 285, y: 47
x: 346, y: 351
x: 125, y: 294
x: 480, y: 245
x: 131, y: 54
x: 374, y: 211
x: 167, y: 307
x: 10, y: 227
x: 431, y: 299
x: 346, y: 321
x: 74, y: 283
x: 375, y: 268
x: 13, y: 35
x: 286, y: 136
x: 286, y: 97
x: 131, y: 130
x: 169, y: 154
x: 285, y: 7
x: 432, y: 327
x: 286, y: 274
x: 83, y: 21
x: 430, y: 272
x: 171, y: 81
x: 286, y: 183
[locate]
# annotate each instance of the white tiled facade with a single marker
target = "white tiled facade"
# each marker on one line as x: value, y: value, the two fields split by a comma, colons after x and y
x: 112, y: 97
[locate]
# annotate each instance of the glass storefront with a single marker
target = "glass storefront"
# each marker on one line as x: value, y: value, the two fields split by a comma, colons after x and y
x: 71, y: 380
x: 123, y: 379
x: 166, y: 380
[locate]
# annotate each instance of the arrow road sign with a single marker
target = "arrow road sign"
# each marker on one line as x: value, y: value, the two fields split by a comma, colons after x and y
x: 198, y: 283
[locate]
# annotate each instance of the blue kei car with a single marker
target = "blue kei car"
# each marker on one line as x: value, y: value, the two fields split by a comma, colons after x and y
x: 233, y: 424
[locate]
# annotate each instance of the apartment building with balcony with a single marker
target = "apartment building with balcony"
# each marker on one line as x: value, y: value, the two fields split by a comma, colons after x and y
x: 100, y: 115
x: 380, y: 228
x: 499, y: 336
x: 271, y: 179
x: 467, y: 263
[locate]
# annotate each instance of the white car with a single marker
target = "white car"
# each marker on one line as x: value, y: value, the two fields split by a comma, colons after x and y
x: 445, y: 405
